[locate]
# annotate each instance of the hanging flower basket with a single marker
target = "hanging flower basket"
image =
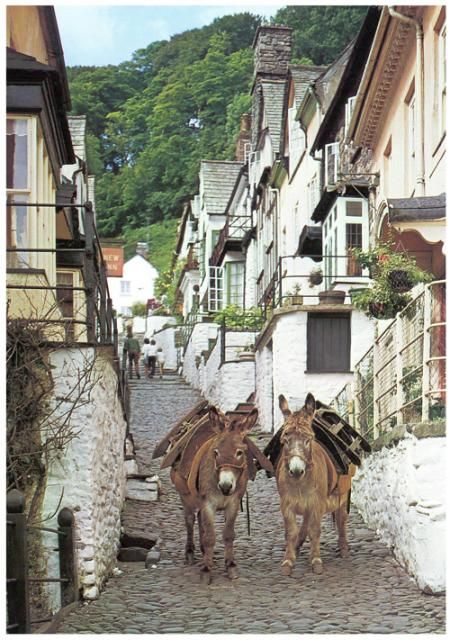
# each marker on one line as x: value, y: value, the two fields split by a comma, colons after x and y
x: 400, y: 281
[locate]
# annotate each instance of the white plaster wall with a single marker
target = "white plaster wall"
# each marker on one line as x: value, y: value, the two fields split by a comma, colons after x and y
x: 400, y: 492
x: 263, y: 376
x: 165, y: 339
x: 141, y: 275
x: 250, y: 276
x: 156, y: 323
x: 90, y: 476
x: 198, y: 343
x: 290, y: 377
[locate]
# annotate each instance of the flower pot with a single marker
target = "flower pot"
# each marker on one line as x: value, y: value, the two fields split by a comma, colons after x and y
x: 332, y: 296
x: 296, y: 299
x: 400, y: 281
x: 246, y: 356
x: 382, y: 311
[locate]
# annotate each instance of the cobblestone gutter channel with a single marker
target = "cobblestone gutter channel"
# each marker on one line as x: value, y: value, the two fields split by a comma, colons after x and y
x: 368, y: 593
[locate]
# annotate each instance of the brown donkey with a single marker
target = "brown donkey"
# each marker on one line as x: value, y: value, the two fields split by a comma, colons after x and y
x: 308, y: 485
x: 217, y: 480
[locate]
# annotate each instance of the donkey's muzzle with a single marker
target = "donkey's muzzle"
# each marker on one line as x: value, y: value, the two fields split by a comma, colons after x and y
x: 296, y: 467
x: 226, y: 482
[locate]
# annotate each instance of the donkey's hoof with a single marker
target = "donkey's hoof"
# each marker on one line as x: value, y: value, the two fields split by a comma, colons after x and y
x: 345, y: 552
x: 317, y: 566
x: 205, y: 576
x: 286, y: 569
x: 232, y: 573
x: 189, y: 558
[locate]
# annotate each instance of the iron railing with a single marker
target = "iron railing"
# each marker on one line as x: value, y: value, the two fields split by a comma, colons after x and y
x: 402, y: 378
x: 234, y: 230
x: 18, y: 579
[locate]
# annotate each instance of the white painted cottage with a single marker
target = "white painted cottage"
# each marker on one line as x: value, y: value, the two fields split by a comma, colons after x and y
x: 136, y: 285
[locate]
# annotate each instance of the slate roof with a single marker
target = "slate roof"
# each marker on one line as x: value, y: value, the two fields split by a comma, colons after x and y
x: 426, y: 208
x: 217, y: 178
x: 77, y: 127
x: 328, y: 82
x: 303, y: 76
x: 273, y: 96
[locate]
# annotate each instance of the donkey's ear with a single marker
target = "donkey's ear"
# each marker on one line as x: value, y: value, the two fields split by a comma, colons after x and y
x: 284, y: 406
x: 310, y: 404
x: 216, y: 419
x: 248, y: 421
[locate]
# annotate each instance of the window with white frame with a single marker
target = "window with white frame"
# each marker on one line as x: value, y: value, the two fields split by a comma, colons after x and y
x: 296, y: 139
x: 331, y: 163
x: 125, y: 287
x: 215, y: 289
x: 313, y: 194
x: 29, y: 179
x: 345, y: 228
x: 235, y: 283
x: 349, y: 106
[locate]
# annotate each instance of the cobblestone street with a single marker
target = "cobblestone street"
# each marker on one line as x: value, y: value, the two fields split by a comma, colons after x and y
x: 367, y: 593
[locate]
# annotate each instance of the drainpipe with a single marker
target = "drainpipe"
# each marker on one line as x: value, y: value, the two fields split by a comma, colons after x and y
x: 420, y: 171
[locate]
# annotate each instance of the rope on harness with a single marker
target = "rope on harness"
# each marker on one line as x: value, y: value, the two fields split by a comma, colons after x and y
x: 248, y: 514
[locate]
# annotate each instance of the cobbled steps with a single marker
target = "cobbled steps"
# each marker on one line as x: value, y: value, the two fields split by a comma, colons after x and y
x: 367, y: 593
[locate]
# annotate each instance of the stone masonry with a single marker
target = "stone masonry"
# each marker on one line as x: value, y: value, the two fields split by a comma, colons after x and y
x: 367, y: 593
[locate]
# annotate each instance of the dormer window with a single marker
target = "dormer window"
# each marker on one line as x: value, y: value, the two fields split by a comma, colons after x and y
x: 296, y: 139
x: 349, y: 107
x: 331, y: 163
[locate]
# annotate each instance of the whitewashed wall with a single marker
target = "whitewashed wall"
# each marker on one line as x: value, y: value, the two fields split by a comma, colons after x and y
x: 198, y: 343
x: 91, y: 474
x: 165, y: 339
x: 289, y: 365
x: 264, y: 387
x: 400, y: 492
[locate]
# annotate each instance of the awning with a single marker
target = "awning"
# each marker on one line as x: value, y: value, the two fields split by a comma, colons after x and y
x: 310, y: 243
x: 416, y: 209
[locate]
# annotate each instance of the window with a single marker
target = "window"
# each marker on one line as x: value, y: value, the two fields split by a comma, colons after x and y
x: 313, y: 194
x: 328, y: 342
x: 331, y: 163
x: 125, y: 311
x: 296, y: 139
x: 215, y: 290
x: 125, y: 287
x: 18, y: 189
x: 353, y: 236
x: 65, y: 298
x: 235, y: 283
x: 350, y: 105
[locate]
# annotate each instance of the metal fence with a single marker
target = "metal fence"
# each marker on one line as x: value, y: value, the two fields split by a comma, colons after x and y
x: 402, y: 378
x: 18, y: 580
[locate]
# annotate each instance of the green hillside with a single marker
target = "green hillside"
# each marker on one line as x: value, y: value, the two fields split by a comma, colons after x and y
x: 152, y: 119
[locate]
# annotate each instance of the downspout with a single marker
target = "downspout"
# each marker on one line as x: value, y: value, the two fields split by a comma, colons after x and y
x: 420, y: 172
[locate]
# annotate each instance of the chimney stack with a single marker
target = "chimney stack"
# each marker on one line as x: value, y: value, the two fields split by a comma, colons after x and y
x: 273, y: 49
x: 244, y: 137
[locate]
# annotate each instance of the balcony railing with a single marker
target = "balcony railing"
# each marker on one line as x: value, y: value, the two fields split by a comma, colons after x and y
x: 402, y: 378
x: 291, y: 272
x: 98, y: 319
x: 230, y: 236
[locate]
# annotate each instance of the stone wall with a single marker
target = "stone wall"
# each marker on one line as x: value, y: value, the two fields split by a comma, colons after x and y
x: 400, y: 492
x: 90, y: 477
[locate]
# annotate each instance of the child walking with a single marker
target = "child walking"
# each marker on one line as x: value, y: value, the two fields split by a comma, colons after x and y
x: 161, y: 359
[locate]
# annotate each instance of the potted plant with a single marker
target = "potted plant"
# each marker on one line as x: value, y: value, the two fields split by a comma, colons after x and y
x: 293, y: 296
x: 247, y: 352
x: 393, y: 274
x: 315, y: 277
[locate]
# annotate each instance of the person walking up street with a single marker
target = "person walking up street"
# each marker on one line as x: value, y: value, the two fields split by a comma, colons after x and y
x: 132, y: 349
x: 152, y: 351
x: 145, y: 350
x: 160, y: 359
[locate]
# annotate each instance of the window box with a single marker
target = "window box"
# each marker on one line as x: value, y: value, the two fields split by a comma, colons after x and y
x: 332, y: 296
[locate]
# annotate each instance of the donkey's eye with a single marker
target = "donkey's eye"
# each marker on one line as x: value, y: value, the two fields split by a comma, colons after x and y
x: 239, y: 453
x: 216, y: 452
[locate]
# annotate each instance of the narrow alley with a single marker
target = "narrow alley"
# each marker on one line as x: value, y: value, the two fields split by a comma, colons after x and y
x: 367, y: 593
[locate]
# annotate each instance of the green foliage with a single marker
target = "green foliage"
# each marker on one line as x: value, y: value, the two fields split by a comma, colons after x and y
x: 384, y: 299
x: 236, y: 317
x: 139, y: 309
x: 160, y: 237
x: 152, y: 119
x: 321, y: 32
